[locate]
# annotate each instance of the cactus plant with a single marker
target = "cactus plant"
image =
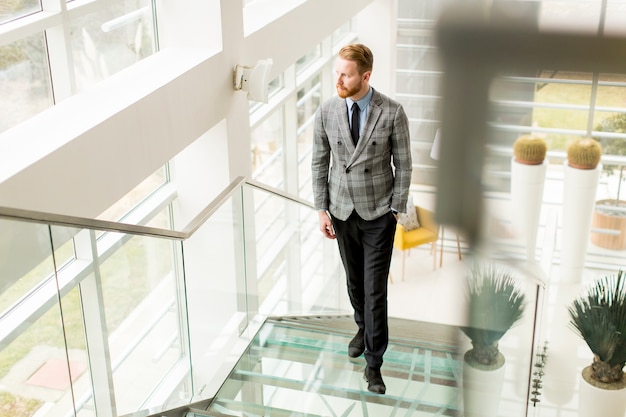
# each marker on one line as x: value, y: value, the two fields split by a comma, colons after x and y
x: 530, y: 149
x: 584, y: 153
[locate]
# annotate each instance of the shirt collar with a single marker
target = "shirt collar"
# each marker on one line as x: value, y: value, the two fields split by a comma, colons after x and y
x: 362, y: 103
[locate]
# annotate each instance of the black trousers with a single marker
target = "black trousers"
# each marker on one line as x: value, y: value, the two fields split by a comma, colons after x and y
x: 366, y: 248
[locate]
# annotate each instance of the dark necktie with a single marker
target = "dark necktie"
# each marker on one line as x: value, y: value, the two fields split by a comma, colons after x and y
x: 355, y: 123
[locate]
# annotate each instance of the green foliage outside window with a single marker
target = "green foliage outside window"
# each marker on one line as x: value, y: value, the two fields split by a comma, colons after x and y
x: 615, y: 123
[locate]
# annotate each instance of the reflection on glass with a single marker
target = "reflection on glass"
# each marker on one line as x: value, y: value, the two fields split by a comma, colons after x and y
x: 497, y: 304
x: 297, y: 268
x: 337, y: 37
x: 141, y: 310
x: 217, y: 299
x: 308, y: 59
x: 15, y: 9
x: 300, y: 367
x: 79, y: 371
x: 65, y: 252
x: 134, y: 198
x: 267, y: 151
x: 24, y: 80
x: 126, y: 334
x: 33, y: 367
x: 309, y: 99
x: 111, y: 39
x: 273, y: 238
x: 25, y: 262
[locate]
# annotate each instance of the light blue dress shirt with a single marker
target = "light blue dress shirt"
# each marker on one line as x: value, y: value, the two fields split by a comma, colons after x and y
x: 364, y: 105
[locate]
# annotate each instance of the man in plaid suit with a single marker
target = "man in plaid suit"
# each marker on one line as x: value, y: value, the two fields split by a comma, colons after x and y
x: 360, y: 182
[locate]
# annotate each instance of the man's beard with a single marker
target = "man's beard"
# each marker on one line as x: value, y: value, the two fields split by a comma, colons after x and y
x: 343, y: 93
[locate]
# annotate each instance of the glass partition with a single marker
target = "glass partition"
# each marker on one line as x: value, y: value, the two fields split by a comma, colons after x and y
x: 77, y: 330
x: 95, y: 322
x: 298, y: 271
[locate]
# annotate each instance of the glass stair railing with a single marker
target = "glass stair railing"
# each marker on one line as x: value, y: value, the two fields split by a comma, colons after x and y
x: 111, y: 319
x: 299, y: 366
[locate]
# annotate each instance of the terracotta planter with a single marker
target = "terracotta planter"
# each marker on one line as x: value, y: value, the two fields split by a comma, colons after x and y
x: 596, y: 402
x: 606, y: 220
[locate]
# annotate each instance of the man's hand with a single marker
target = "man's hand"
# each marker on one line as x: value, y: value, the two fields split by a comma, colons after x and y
x: 326, y: 225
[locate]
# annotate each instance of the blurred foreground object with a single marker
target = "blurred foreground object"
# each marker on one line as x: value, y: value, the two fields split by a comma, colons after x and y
x: 476, y: 45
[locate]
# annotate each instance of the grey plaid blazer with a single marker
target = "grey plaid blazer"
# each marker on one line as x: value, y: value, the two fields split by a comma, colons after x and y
x: 371, y: 178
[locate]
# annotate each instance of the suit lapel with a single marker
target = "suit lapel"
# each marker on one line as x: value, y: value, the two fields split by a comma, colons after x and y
x: 344, y: 124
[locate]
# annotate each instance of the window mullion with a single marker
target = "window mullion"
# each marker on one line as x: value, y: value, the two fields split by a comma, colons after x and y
x: 96, y: 332
x: 59, y: 44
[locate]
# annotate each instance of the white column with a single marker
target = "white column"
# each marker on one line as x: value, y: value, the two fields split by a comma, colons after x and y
x: 579, y: 197
x: 527, y: 183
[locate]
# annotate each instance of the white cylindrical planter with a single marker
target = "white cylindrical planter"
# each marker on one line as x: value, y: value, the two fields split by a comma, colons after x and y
x: 481, y: 391
x: 527, y: 183
x: 596, y: 402
x: 579, y: 197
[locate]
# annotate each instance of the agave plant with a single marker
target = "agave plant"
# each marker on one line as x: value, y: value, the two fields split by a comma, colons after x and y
x: 496, y: 304
x: 599, y: 318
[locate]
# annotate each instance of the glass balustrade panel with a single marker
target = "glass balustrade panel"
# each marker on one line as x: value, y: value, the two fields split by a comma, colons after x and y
x: 137, y: 283
x: 38, y: 356
x: 297, y: 269
x: 217, y: 303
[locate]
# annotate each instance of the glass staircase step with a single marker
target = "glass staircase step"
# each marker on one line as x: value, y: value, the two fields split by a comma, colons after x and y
x: 300, y: 367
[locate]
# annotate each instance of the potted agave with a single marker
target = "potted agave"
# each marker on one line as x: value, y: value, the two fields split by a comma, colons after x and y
x: 580, y: 182
x: 599, y: 318
x: 528, y: 171
x: 496, y: 304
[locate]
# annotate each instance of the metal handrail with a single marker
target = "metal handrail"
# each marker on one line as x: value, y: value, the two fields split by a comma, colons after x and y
x: 111, y: 226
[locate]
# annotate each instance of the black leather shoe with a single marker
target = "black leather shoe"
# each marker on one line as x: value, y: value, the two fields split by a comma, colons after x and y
x: 374, y: 380
x: 356, y: 347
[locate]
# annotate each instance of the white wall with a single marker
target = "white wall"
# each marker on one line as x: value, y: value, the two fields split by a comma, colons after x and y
x: 87, y: 152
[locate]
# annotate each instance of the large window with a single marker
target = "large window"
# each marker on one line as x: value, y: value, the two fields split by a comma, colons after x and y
x: 15, y: 9
x: 24, y: 80
x: 110, y: 39
x: 78, y: 46
x: 559, y: 105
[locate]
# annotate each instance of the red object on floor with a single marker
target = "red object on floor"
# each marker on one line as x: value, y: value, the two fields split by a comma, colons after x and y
x: 53, y: 374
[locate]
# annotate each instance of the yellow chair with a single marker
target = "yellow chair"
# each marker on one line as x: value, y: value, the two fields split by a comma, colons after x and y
x: 427, y: 232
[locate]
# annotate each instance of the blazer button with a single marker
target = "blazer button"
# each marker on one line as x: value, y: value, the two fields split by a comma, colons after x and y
x: 339, y: 143
x: 347, y: 170
x: 366, y: 170
x: 374, y: 143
